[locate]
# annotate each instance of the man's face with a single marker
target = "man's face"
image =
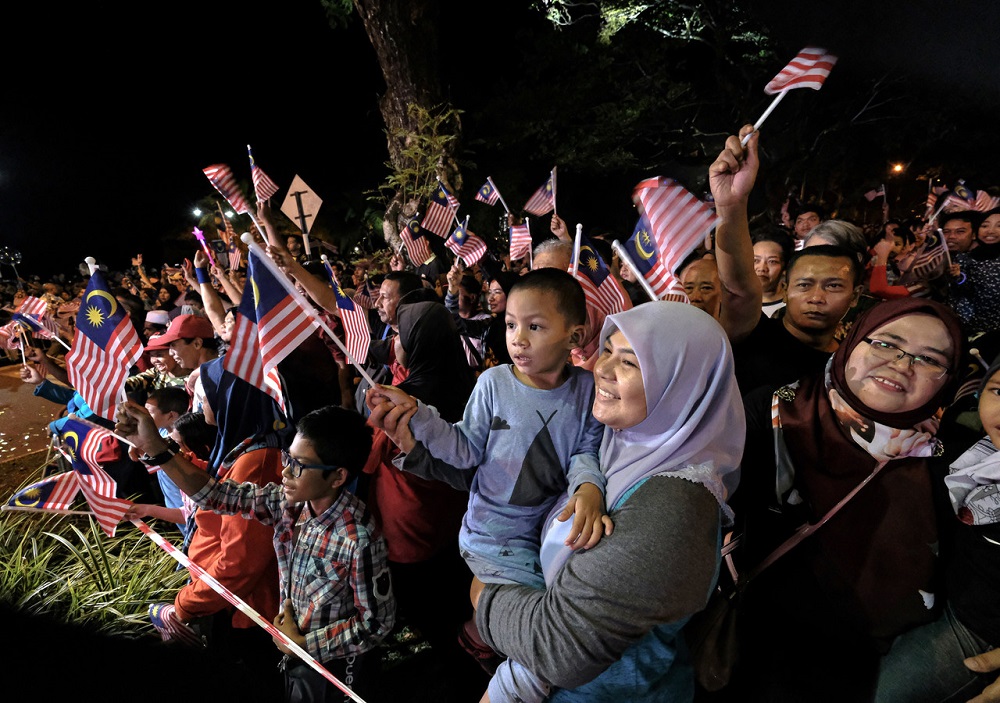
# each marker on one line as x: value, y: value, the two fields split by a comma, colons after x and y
x: 768, y: 265
x: 820, y: 291
x: 805, y: 222
x: 358, y: 276
x: 388, y: 301
x: 958, y: 235
x: 294, y: 246
x: 187, y: 353
x: 701, y: 283
x: 468, y: 302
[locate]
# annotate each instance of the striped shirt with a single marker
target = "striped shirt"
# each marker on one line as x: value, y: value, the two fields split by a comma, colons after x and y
x: 333, y: 566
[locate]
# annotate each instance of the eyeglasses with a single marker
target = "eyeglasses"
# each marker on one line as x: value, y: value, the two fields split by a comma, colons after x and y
x: 295, y: 466
x: 921, y: 365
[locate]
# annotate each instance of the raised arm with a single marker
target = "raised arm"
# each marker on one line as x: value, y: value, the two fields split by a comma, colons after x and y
x: 732, y: 177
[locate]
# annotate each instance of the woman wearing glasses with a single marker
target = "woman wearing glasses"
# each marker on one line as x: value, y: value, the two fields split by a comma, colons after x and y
x: 816, y: 621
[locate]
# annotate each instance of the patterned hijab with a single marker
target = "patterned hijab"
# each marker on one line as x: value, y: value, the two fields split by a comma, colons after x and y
x: 695, y: 425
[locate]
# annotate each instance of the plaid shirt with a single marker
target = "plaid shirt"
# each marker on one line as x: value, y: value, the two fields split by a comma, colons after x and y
x: 336, y: 572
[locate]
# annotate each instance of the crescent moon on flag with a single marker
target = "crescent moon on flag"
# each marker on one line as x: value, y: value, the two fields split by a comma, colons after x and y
x: 34, y: 497
x: 107, y: 296
x: 74, y: 445
x: 256, y: 293
x: 643, y: 254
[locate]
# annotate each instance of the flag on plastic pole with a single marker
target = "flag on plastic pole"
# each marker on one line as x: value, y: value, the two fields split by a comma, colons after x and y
x: 544, y: 199
x: 88, y: 445
x: 466, y: 245
x: 263, y: 186
x: 520, y: 240
x: 222, y: 178
x: 678, y: 222
x: 439, y: 211
x: 809, y: 69
x: 417, y: 246
x: 105, y: 347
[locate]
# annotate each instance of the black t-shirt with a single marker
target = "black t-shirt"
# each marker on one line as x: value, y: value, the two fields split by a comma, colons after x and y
x: 771, y: 356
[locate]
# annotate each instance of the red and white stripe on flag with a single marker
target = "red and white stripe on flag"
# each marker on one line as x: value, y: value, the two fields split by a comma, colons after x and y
x: 33, y: 306
x: 99, y: 488
x: 678, y: 221
x: 520, y: 241
x: 243, y: 359
x: 417, y: 248
x: 472, y: 249
x: 437, y: 220
x: 263, y: 186
x: 283, y: 328
x: 99, y: 374
x: 808, y: 69
x: 222, y: 178
x: 357, y: 332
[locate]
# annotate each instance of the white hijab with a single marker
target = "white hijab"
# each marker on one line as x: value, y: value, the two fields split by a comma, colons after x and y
x: 695, y: 426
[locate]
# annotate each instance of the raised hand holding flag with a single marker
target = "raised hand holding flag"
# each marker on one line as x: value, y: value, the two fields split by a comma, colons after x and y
x: 809, y: 69
x: 465, y: 244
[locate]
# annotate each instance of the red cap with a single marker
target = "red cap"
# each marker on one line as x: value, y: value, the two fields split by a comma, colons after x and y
x: 186, y: 327
x: 155, y: 343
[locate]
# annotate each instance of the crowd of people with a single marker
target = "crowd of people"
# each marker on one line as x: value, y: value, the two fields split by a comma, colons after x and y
x: 542, y: 491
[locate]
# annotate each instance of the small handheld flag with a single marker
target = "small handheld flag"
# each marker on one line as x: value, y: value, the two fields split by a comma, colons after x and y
x: 809, y: 69
x: 544, y: 199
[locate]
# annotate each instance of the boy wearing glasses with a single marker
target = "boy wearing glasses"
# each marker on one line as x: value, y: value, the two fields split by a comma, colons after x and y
x: 332, y: 560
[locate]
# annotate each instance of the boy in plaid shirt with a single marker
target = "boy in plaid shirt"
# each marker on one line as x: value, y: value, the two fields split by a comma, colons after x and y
x: 331, y: 555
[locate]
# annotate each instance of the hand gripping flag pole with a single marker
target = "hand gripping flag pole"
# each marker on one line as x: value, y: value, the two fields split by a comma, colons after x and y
x: 303, y: 303
x: 238, y: 603
x: 627, y: 260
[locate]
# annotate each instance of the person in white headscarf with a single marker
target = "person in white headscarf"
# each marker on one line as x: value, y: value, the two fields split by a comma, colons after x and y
x: 608, y: 625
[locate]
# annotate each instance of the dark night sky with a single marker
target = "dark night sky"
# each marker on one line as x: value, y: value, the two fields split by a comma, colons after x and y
x: 111, y: 113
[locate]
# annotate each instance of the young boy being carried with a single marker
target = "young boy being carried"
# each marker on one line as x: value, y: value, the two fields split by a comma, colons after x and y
x: 527, y: 435
x: 331, y: 556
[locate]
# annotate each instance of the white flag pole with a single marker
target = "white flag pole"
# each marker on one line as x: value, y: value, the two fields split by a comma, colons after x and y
x: 576, y: 248
x: 495, y: 190
x: 768, y: 111
x: 627, y: 260
x: 303, y: 303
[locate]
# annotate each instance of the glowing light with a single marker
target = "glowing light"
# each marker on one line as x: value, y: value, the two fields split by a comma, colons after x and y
x: 897, y: 168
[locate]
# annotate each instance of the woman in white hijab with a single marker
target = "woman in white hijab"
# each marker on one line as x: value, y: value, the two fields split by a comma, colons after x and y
x: 608, y: 625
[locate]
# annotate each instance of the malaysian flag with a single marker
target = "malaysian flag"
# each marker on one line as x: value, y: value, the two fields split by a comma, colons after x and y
x: 269, y: 325
x: 33, y: 306
x: 38, y: 329
x: 53, y: 493
x: 678, y: 221
x: 985, y: 201
x: 926, y: 264
x: 604, y: 293
x: 644, y: 254
x: 876, y: 193
x: 465, y: 244
x: 440, y: 212
x: 357, y: 333
x: 807, y: 70
x: 235, y: 254
x: 362, y: 297
x: 544, y: 199
x: 87, y: 445
x: 263, y: 186
x: 488, y: 193
x: 520, y: 240
x: 10, y: 336
x: 221, y: 177
x: 417, y: 247
x: 105, y: 346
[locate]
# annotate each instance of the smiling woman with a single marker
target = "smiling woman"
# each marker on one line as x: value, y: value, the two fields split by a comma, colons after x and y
x: 868, y: 574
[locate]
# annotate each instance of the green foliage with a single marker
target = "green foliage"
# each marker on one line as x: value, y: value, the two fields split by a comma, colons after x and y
x: 338, y: 12
x: 427, y: 142
x: 50, y: 566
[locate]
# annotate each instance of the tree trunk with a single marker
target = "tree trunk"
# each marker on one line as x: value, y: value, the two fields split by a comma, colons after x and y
x: 404, y: 35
